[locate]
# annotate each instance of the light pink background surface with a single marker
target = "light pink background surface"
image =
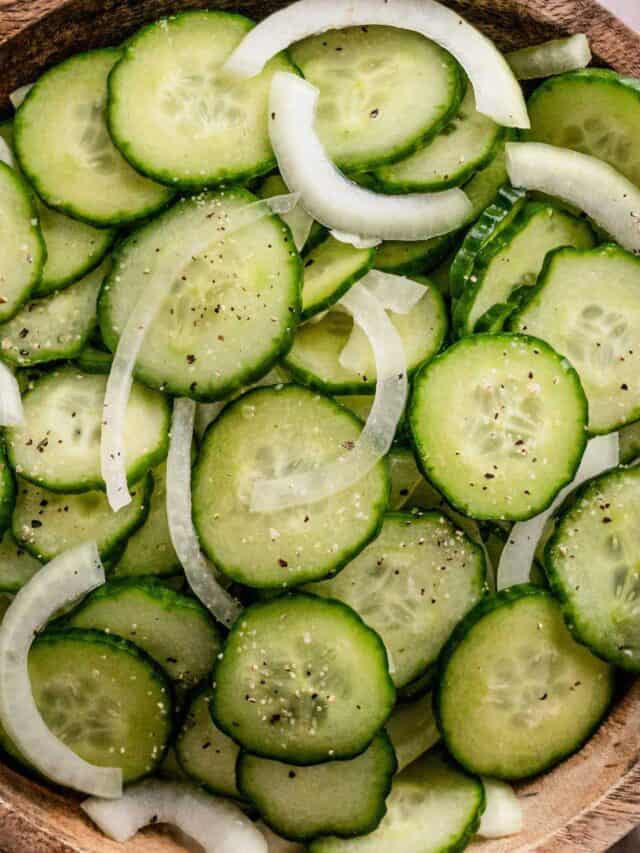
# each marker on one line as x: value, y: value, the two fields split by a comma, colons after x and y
x: 628, y: 10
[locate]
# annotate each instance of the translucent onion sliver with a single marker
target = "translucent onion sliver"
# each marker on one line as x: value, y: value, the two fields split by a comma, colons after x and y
x: 356, y: 240
x: 17, y: 97
x: 552, y: 57
x: 503, y: 814
x: 11, y: 412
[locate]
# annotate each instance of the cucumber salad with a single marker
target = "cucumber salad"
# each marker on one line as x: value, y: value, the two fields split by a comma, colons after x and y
x: 319, y: 415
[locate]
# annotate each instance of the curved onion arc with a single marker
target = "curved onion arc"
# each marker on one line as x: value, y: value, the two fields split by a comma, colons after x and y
x: 11, y: 411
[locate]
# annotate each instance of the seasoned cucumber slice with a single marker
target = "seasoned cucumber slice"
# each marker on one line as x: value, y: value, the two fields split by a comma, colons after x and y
x: 149, y: 550
x: 17, y: 566
x: 205, y: 753
x: 176, y: 631
x: 266, y: 433
x: 47, y: 523
x: 514, y: 258
x: 434, y: 807
x: 7, y: 491
x: 329, y: 271
x: 511, y: 425
x: 594, y: 111
x: 465, y: 145
x: 630, y: 443
x: 230, y: 315
x: 302, y: 679
x: 422, y: 256
x: 592, y: 565
x: 412, y: 585
x: 64, y: 147
x: 587, y: 306
x: 516, y: 693
x: 177, y: 116
x: 413, y: 730
x: 314, y: 358
x: 405, y: 476
x: 383, y: 92
x: 55, y: 327
x: 58, y: 446
x: 343, y: 798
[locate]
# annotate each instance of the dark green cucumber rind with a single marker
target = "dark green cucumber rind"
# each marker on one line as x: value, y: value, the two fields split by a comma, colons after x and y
x: 92, y: 360
x: 341, y: 288
x: 419, y: 688
x: 427, y: 258
x: 242, y: 380
x: 317, y: 235
x: 300, y: 759
x: 493, y: 320
x: 160, y: 175
x: 504, y: 598
x: 576, y: 622
x: 414, y: 426
x: 7, y: 491
x: 236, y: 573
x: 361, y: 826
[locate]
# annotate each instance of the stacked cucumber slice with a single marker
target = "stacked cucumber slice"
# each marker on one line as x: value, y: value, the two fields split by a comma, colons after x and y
x: 340, y: 438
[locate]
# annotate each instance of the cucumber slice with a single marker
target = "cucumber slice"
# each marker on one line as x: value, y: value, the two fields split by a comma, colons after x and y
x: 177, y: 116
x: 64, y: 148
x: 593, y: 111
x: 264, y: 434
x: 314, y: 358
x: 58, y: 446
x: 511, y: 428
x: 205, y: 753
x: 90, y: 359
x: 176, y: 631
x: 228, y: 318
x: 630, y: 443
x: 298, y: 220
x: 7, y: 491
x: 465, y: 145
x: 343, y: 798
x: 329, y: 271
x: 55, y: 327
x: 413, y: 258
x: 17, y: 566
x: 383, y: 92
x: 513, y: 260
x: 516, y: 693
x: 405, y: 476
x: 413, y: 730
x: 412, y: 585
x: 47, y: 523
x: 592, y: 565
x: 302, y: 679
x: 149, y: 550
x: 434, y: 807
x: 587, y: 306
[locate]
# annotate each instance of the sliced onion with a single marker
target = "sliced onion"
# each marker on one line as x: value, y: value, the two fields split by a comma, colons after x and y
x: 395, y: 293
x: 215, y: 823
x: 6, y: 154
x: 11, y: 413
x: 503, y: 813
x: 170, y: 262
x: 71, y: 575
x: 377, y: 436
x: 18, y: 96
x: 497, y: 92
x: 206, y: 414
x: 602, y: 453
x: 200, y: 574
x: 334, y: 200
x: 592, y: 185
x: 550, y: 58
x: 356, y: 240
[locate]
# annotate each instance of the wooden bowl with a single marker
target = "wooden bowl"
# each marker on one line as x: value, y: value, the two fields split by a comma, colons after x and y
x: 590, y: 801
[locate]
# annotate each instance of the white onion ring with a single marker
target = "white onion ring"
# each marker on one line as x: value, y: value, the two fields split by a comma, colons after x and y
x: 550, y: 58
x: 18, y: 95
x: 379, y: 431
x: 496, y: 90
x: 356, y: 240
x: 6, y: 154
x: 11, y: 412
x: 71, y: 575
x: 215, y: 823
x: 602, y: 453
x: 503, y: 813
x: 334, y: 200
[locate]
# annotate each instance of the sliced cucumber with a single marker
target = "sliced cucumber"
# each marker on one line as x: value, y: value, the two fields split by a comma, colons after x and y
x: 329, y: 271
x: 413, y: 258
x: 587, y: 306
x: 91, y: 359
x: 47, y: 523
x: 592, y: 565
x: 177, y: 116
x: 412, y: 585
x: 298, y: 220
x: 17, y: 566
x: 303, y: 680
x: 58, y: 446
x: 267, y: 433
x: 630, y: 443
x: 511, y: 425
x: 434, y: 807
x: 64, y: 147
x: 405, y: 476
x: 7, y: 491
x: 343, y: 798
x: 413, y: 730
x: 516, y: 693
x: 383, y: 92
x: 229, y: 316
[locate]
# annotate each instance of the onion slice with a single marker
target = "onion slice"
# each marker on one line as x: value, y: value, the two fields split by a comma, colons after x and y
x: 17, y: 97
x: 11, y: 412
x: 503, y: 813
x: 379, y: 431
x: 200, y: 573
x: 334, y: 200
x: 602, y: 453
x: 396, y: 293
x: 215, y: 823
x: 215, y: 224
x: 592, y: 185
x: 496, y: 90
x: 356, y: 240
x: 6, y: 154
x: 550, y: 58
x: 71, y: 575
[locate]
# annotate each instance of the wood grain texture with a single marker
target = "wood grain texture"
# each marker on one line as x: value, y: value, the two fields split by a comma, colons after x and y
x: 590, y: 801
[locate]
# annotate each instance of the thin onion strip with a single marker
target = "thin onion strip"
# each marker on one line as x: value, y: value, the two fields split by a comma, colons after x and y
x: 503, y: 815
x: 550, y: 58
x: 11, y: 411
x: 356, y: 240
x: 18, y: 95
